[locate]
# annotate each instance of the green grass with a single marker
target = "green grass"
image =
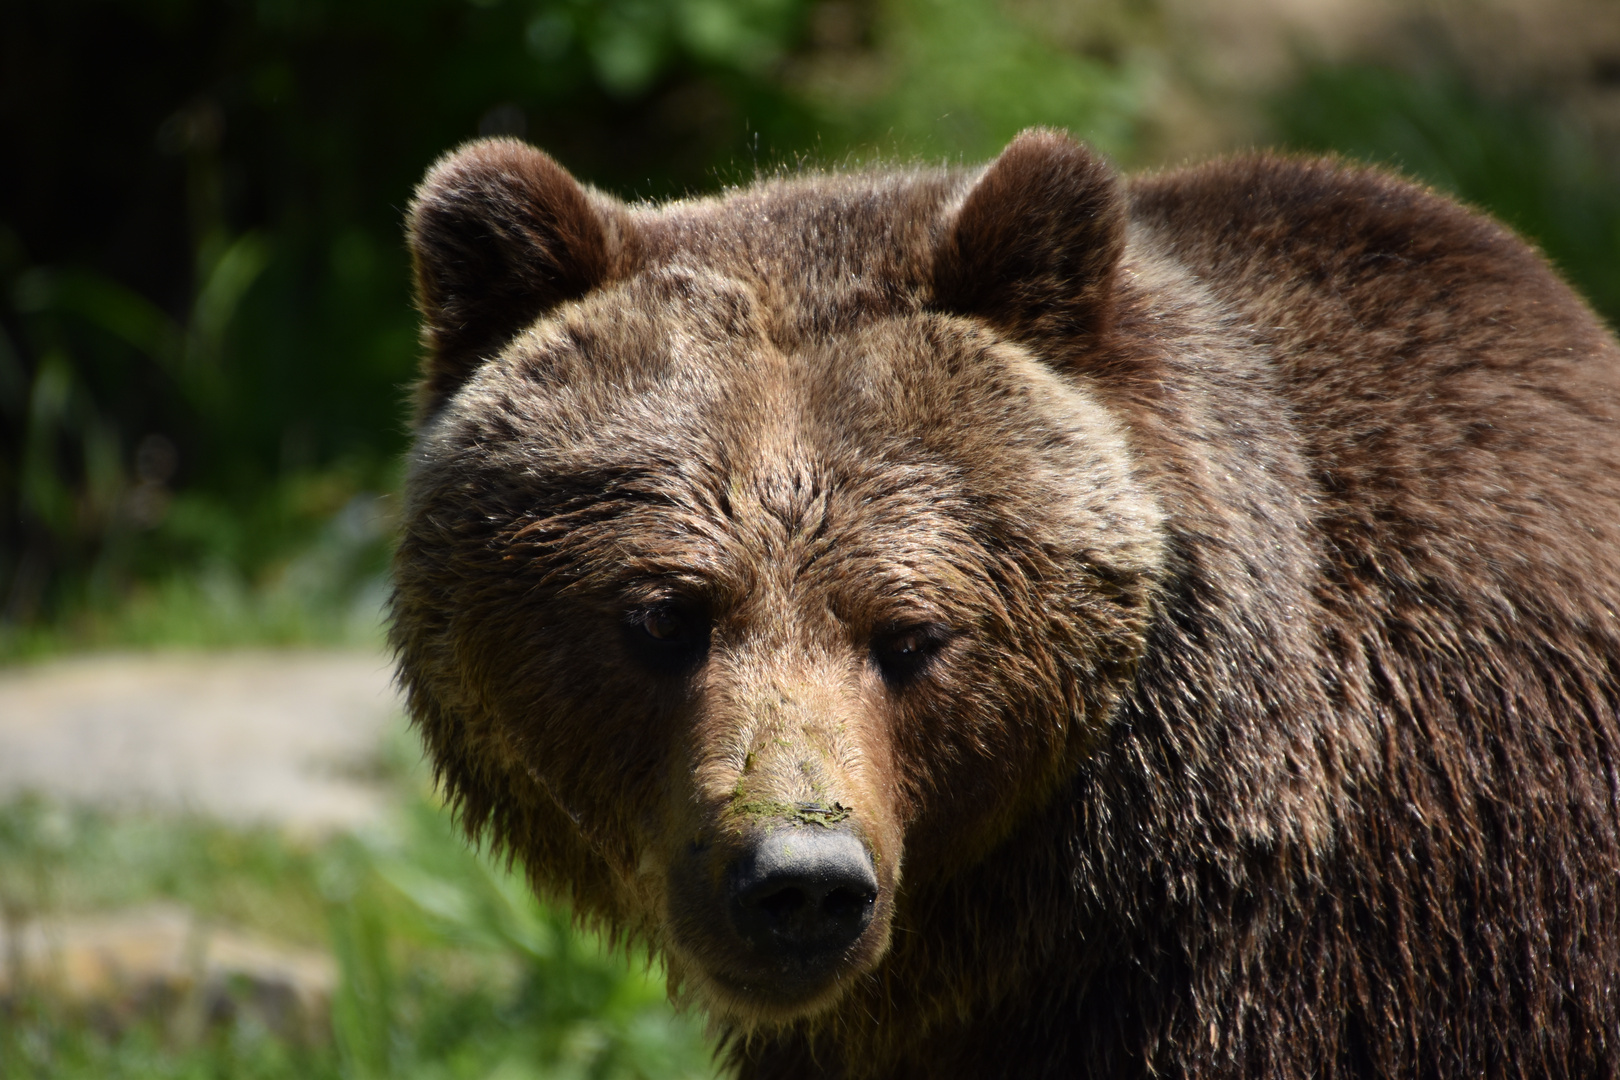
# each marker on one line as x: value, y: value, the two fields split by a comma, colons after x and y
x: 40, y: 1041
x: 448, y: 966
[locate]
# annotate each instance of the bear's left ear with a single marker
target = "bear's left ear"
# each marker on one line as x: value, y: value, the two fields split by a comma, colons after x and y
x: 499, y: 234
x: 1036, y: 245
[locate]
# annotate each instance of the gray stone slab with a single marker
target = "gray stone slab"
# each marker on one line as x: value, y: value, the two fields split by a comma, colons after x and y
x: 284, y: 737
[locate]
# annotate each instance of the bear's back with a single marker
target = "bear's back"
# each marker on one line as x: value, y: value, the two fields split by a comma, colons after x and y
x: 1456, y: 406
x: 1457, y: 402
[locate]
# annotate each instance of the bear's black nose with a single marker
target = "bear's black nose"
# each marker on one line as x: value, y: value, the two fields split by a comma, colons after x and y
x: 803, y: 894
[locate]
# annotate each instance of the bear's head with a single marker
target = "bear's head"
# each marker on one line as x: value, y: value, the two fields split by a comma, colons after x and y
x: 767, y: 558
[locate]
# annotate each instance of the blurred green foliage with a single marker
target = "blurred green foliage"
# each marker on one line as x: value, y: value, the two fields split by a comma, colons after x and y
x: 956, y: 79
x: 448, y: 966
x: 552, y: 1002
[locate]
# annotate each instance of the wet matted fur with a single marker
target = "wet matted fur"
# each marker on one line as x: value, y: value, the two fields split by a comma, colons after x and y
x: 1196, y: 593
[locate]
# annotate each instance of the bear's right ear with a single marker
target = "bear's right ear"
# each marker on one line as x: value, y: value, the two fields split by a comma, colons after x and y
x: 499, y: 234
x: 1036, y: 245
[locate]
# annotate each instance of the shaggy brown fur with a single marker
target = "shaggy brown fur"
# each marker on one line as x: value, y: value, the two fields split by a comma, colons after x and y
x: 1197, y: 596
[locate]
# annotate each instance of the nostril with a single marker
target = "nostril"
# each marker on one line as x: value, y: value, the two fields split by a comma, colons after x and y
x: 783, y: 903
x: 847, y: 903
x: 783, y: 906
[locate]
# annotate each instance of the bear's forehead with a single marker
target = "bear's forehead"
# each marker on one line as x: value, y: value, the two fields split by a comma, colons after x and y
x: 668, y: 395
x: 678, y: 360
x: 772, y: 355
x: 817, y: 252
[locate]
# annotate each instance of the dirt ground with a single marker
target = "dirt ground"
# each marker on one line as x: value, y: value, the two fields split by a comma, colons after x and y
x: 291, y: 738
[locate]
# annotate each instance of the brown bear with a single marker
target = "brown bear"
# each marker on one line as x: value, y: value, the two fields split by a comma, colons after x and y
x: 1020, y: 622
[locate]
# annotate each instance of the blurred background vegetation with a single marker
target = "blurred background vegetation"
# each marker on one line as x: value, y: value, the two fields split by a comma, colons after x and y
x: 205, y: 327
x: 206, y: 342
x: 447, y: 966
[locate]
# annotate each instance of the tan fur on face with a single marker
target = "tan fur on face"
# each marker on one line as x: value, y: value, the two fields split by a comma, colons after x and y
x: 1265, y: 518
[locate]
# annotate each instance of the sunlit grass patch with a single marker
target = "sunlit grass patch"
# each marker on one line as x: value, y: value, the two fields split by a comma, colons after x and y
x: 446, y: 966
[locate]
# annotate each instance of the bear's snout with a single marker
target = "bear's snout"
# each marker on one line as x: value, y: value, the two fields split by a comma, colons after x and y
x: 802, y: 896
x: 773, y: 919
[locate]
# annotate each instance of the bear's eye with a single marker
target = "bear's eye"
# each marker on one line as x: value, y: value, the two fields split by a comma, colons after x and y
x: 663, y: 624
x: 902, y: 654
x: 668, y: 638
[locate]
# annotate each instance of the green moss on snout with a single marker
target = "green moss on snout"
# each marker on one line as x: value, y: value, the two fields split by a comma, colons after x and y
x: 802, y: 813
